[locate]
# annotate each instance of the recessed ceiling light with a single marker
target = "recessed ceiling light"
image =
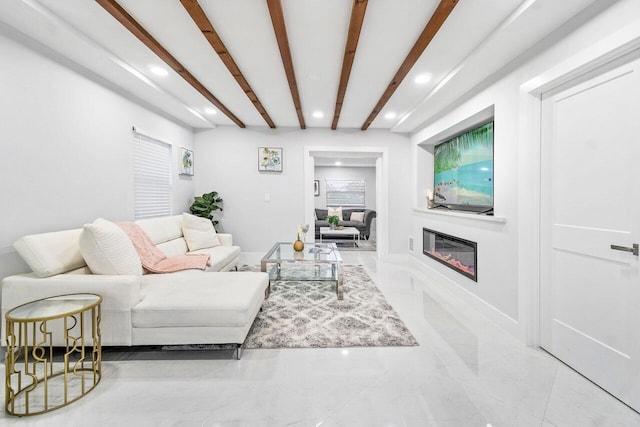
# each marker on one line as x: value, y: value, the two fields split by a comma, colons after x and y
x: 210, y: 111
x: 338, y: 163
x: 422, y: 78
x: 318, y: 114
x: 390, y: 115
x: 158, y: 71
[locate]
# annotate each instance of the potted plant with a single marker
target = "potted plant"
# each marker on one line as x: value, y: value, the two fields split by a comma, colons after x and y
x: 204, y: 206
x: 333, y: 221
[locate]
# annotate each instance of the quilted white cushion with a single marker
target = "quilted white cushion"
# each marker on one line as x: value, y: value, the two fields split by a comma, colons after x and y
x: 162, y: 229
x: 49, y: 254
x: 199, y: 300
x: 357, y: 216
x: 198, y: 232
x: 108, y: 250
x: 335, y: 211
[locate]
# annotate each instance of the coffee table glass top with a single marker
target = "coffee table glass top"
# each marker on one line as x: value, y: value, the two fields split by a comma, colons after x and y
x: 317, y: 262
x: 313, y: 252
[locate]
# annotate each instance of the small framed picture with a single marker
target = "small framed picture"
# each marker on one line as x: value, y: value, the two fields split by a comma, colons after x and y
x: 186, y: 161
x: 269, y: 159
x: 316, y: 187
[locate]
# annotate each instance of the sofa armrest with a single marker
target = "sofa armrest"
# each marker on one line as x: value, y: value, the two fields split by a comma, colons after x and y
x: 225, y: 239
x: 118, y: 292
x: 368, y: 217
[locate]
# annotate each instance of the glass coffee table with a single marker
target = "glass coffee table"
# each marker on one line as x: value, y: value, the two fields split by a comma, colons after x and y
x: 317, y: 262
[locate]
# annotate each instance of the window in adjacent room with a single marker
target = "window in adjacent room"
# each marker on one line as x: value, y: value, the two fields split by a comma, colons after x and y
x: 151, y: 176
x: 346, y: 192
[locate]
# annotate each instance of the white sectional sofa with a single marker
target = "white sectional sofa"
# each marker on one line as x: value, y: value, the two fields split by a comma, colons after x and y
x: 187, y: 307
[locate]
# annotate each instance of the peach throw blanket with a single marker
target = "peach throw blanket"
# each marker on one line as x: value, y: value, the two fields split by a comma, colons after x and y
x: 153, y: 259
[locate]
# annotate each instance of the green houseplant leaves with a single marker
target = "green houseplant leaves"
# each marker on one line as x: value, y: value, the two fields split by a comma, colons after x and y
x: 333, y: 220
x: 204, y: 206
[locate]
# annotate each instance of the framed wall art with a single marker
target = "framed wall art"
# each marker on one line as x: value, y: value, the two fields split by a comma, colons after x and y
x: 186, y: 161
x: 269, y: 159
x: 316, y: 187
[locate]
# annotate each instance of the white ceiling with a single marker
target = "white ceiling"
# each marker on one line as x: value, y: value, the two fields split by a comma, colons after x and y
x: 478, y: 39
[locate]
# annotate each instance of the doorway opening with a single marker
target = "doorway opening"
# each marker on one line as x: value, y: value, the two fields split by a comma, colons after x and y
x: 346, y: 186
x: 357, y: 166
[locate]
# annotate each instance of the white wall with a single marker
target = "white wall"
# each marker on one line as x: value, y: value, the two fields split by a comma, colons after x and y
x: 497, y: 290
x: 497, y: 265
x: 226, y: 161
x: 323, y: 173
x: 67, y: 154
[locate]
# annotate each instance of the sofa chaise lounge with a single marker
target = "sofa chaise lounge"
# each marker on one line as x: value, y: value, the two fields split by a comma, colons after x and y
x: 186, y: 307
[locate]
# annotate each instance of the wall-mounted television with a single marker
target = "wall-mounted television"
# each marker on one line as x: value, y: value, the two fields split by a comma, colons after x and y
x: 463, y: 170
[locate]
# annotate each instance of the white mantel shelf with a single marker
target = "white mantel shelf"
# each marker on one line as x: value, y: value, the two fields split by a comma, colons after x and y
x: 473, y: 216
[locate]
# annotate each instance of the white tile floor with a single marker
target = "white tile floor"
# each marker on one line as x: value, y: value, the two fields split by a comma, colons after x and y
x: 466, y: 372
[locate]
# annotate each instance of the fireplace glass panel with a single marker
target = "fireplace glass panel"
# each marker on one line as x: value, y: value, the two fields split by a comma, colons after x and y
x: 458, y: 254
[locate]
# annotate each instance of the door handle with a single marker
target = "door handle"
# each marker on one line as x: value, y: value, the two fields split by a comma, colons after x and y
x: 634, y: 249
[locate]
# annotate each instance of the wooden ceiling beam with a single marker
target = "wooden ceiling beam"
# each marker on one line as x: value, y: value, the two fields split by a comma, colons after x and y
x: 357, y: 18
x: 277, y: 19
x: 147, y: 39
x: 194, y: 10
x: 430, y: 30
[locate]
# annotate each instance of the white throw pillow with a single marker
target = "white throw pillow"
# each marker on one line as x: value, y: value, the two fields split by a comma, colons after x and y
x: 335, y: 211
x: 198, y: 232
x: 107, y: 249
x: 53, y: 253
x: 357, y: 216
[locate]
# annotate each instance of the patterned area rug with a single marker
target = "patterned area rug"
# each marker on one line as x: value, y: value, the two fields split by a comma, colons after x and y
x: 308, y: 314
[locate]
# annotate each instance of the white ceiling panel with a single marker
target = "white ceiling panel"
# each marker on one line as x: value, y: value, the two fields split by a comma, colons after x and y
x: 66, y: 40
x: 476, y: 42
x: 528, y: 26
x: 170, y: 24
x: 245, y: 29
x: 317, y: 32
x: 471, y: 23
x: 389, y: 31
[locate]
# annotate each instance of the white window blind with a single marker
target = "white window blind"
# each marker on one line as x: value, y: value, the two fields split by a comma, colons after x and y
x: 151, y: 176
x: 346, y: 192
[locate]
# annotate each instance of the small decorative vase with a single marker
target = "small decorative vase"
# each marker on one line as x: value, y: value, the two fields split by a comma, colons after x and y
x: 298, y: 246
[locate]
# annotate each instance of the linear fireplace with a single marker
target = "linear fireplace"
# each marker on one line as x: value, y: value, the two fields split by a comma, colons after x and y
x: 458, y: 254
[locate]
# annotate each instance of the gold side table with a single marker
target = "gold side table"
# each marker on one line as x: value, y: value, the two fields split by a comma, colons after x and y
x: 54, y: 353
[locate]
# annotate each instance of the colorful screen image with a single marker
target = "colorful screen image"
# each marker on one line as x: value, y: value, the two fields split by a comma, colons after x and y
x: 463, y: 169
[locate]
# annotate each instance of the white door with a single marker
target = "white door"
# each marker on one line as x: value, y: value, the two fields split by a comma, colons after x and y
x: 590, y: 293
